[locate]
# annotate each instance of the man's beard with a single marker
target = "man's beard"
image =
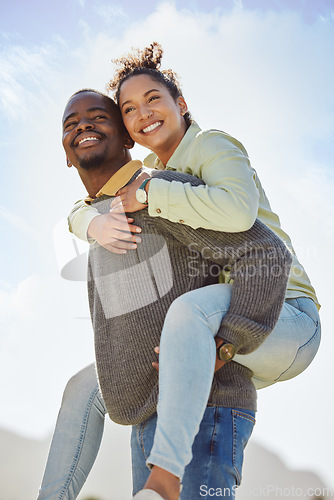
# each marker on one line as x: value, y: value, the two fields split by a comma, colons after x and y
x: 92, y: 161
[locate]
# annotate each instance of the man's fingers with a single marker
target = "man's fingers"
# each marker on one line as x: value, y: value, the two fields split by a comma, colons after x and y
x: 124, y: 244
x: 113, y: 249
x: 155, y: 365
x: 123, y: 223
x: 117, y: 208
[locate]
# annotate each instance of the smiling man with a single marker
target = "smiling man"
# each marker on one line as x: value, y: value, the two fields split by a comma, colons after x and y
x: 129, y: 296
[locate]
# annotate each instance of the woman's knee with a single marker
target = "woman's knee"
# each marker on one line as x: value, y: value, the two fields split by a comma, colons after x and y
x: 206, y: 306
x: 85, y: 381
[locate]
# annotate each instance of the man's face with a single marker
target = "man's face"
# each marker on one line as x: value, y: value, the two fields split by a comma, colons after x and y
x: 91, y: 134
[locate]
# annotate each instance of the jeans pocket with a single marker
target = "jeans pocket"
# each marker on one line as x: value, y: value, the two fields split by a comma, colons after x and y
x: 243, y: 424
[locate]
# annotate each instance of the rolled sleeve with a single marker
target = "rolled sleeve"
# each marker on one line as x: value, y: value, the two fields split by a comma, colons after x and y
x: 79, y: 219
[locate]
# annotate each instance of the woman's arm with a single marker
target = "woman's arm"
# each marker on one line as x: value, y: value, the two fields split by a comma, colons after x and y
x: 227, y: 202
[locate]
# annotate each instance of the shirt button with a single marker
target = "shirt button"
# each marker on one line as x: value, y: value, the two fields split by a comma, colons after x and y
x: 158, y: 211
x: 181, y: 221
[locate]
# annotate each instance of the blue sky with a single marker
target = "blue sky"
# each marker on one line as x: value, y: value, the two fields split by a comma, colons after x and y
x: 260, y: 70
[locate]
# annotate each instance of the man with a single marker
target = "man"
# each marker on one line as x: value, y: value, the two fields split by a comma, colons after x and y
x: 130, y: 295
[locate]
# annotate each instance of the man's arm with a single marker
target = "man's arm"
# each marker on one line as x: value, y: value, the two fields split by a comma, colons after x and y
x: 79, y: 219
x: 114, y: 231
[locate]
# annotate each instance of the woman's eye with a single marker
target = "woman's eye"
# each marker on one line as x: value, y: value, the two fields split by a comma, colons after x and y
x: 128, y: 110
x: 153, y: 98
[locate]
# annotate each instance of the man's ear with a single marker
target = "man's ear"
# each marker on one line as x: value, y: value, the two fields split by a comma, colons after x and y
x: 69, y: 164
x: 128, y: 142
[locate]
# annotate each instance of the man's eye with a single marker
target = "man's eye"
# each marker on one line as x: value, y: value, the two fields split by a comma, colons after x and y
x: 69, y: 125
x: 99, y: 117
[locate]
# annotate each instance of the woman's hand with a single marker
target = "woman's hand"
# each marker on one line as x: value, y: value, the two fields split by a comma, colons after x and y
x: 127, y: 195
x: 218, y: 365
x: 114, y: 232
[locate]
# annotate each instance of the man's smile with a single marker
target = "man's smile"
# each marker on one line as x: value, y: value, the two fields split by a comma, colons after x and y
x: 87, y: 139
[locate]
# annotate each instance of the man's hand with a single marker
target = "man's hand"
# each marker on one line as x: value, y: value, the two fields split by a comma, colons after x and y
x: 218, y: 365
x: 114, y: 232
x: 219, y: 362
x: 127, y: 195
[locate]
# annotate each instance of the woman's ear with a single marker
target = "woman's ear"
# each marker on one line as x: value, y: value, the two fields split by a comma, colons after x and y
x: 182, y: 105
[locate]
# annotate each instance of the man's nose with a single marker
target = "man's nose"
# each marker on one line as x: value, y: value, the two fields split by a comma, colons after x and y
x: 84, y: 124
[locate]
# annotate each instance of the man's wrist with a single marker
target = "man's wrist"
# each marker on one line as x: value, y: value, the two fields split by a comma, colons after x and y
x: 225, y: 351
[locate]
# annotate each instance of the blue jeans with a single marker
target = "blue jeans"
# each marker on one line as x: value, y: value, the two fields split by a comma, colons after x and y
x: 77, y: 438
x: 189, y: 358
x: 218, y: 451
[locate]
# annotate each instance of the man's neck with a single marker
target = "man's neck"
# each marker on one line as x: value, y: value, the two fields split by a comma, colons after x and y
x: 95, y: 179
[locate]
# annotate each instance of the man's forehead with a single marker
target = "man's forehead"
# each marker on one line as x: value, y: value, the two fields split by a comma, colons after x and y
x: 85, y: 101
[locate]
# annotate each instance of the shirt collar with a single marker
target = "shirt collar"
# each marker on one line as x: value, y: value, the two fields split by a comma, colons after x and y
x: 174, y: 160
x: 118, y: 180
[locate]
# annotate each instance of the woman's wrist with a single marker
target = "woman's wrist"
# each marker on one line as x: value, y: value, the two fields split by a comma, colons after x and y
x: 147, y: 186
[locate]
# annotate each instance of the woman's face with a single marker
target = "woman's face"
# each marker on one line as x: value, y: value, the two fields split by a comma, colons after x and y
x: 151, y: 115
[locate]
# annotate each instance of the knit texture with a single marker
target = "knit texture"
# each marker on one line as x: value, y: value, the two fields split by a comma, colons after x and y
x: 130, y: 294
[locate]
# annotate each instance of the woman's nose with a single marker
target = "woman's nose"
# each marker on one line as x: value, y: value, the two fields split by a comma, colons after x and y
x: 145, y: 112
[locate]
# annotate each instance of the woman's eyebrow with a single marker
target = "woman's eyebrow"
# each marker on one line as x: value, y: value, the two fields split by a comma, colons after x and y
x: 145, y: 95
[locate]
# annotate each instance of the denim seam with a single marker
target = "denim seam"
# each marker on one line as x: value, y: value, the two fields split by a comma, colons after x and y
x: 212, y: 445
x: 81, y: 439
x: 236, y: 413
x: 308, y: 343
x: 141, y: 430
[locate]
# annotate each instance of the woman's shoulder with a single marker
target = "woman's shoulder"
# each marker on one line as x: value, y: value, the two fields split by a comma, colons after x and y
x: 216, y: 139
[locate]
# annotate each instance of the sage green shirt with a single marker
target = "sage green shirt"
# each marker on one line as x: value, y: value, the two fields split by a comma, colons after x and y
x: 230, y: 201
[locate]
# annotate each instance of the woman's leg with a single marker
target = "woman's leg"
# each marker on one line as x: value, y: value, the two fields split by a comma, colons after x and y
x: 76, y: 438
x: 187, y: 359
x: 186, y: 368
x: 291, y: 346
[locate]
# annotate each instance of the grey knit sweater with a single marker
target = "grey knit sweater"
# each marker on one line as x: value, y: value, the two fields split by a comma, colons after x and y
x: 130, y: 294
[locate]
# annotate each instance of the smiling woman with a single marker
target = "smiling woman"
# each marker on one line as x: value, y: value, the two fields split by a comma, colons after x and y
x: 153, y: 118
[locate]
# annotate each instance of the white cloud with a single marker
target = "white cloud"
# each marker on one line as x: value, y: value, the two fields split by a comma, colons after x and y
x: 110, y: 13
x: 42, y: 345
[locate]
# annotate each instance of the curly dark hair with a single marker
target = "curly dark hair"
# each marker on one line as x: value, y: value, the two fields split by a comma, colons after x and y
x: 146, y: 62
